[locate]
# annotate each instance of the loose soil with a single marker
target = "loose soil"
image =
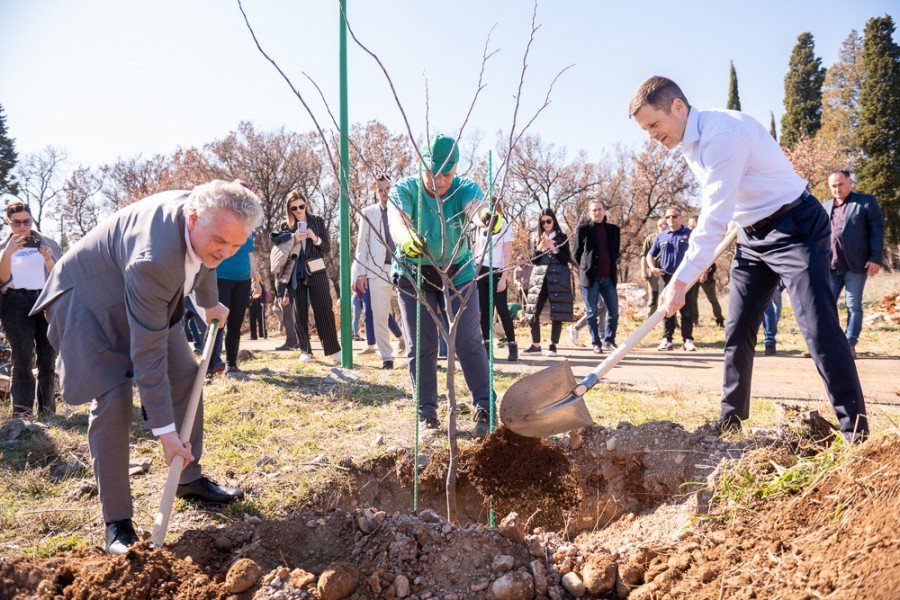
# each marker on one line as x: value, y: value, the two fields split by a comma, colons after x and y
x: 642, y: 529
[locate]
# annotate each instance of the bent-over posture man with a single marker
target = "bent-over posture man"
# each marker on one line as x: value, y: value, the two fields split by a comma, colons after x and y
x: 783, y: 233
x: 115, y: 303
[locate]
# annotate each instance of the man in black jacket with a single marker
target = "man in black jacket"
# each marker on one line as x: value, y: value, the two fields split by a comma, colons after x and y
x: 597, y: 245
x: 857, y: 241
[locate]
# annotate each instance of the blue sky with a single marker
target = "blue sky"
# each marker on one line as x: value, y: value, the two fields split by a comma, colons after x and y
x: 106, y: 79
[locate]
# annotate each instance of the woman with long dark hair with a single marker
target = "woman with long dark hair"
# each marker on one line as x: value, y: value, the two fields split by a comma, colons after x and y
x: 551, y: 280
x: 308, y: 282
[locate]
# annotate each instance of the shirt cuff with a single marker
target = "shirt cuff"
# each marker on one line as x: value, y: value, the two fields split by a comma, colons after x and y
x: 688, y: 272
x: 158, y: 431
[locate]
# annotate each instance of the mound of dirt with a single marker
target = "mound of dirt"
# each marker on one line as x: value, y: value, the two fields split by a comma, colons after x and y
x: 91, y: 573
x: 837, y: 539
x: 516, y: 471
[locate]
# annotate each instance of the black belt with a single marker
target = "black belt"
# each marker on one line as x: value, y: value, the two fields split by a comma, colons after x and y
x: 763, y: 223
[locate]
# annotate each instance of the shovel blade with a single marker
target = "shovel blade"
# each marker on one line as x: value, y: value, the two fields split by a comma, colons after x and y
x: 523, y: 401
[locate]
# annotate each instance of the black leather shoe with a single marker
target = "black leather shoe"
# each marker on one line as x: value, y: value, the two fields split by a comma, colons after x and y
x: 430, y: 423
x: 726, y: 424
x: 119, y: 536
x: 771, y: 350
x: 207, y: 490
x: 387, y: 365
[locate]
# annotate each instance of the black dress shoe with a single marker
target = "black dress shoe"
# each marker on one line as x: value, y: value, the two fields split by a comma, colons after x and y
x: 387, y: 365
x: 207, y: 490
x: 119, y: 536
x: 726, y: 424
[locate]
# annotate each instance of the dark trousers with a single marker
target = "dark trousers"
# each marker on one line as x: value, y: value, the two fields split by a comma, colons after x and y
x: 709, y: 289
x: 257, y: 319
x: 194, y: 327
x: 317, y: 294
x: 236, y: 296
x: 687, y: 312
x: 555, y: 326
x: 472, y: 355
x: 795, y: 249
x: 27, y: 335
x: 501, y: 305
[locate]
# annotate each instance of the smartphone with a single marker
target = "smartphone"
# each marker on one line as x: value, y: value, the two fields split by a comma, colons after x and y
x: 301, y: 226
x: 32, y: 241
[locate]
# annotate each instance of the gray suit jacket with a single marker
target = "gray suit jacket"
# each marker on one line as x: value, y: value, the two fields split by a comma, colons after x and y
x: 112, y: 299
x: 863, y: 235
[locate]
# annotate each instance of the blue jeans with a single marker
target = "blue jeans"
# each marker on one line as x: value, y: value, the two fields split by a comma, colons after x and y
x: 605, y: 288
x: 854, y: 284
x: 771, y: 316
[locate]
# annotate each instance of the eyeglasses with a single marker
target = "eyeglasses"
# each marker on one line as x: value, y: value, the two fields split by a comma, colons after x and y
x: 546, y: 221
x: 298, y: 207
x: 22, y: 223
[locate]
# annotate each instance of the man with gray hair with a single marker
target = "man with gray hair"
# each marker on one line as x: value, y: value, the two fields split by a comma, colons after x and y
x: 115, y: 302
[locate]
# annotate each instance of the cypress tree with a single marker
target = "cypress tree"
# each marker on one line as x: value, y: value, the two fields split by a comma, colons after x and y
x: 8, y: 158
x: 840, y: 99
x: 802, y: 92
x: 772, y: 128
x: 734, y: 98
x: 879, y: 120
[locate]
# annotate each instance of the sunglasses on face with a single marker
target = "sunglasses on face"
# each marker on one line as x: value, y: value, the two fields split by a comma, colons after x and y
x: 298, y: 207
x: 22, y: 223
x: 546, y: 221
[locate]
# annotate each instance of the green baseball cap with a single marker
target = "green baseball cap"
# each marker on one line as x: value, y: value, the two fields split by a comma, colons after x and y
x: 441, y: 155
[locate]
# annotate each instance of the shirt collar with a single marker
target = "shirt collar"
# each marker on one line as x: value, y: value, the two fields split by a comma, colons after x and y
x: 190, y: 257
x: 691, y: 131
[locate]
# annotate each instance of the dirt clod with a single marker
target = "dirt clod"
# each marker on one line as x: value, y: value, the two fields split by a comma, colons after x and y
x: 242, y: 576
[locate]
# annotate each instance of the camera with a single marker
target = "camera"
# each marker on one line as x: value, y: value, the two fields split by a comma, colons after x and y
x: 32, y: 241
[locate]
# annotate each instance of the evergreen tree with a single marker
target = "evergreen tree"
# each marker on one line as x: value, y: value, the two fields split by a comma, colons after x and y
x: 802, y: 92
x: 772, y: 129
x: 840, y: 99
x: 8, y: 159
x: 734, y: 98
x: 879, y: 120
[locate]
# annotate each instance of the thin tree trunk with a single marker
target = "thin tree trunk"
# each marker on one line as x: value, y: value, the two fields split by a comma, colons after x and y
x: 451, y: 423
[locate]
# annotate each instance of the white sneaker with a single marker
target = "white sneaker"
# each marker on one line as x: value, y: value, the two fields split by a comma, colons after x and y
x: 552, y: 350
x: 573, y: 334
x: 689, y: 346
x: 335, y: 356
x: 665, y: 345
x: 304, y: 357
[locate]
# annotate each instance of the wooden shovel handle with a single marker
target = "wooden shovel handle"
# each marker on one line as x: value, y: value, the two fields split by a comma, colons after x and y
x: 161, y: 523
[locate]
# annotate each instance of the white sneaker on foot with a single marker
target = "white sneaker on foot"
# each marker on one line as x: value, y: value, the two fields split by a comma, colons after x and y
x: 573, y: 334
x: 665, y: 345
x: 689, y: 346
x: 304, y: 357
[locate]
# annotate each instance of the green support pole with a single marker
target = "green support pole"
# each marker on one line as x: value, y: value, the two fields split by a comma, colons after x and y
x: 346, y: 307
x: 490, y: 234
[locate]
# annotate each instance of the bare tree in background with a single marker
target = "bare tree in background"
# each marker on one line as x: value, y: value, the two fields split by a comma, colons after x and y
x: 41, y: 180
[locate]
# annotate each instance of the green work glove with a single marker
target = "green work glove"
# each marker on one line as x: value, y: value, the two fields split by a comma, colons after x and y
x: 495, y: 222
x: 413, y: 247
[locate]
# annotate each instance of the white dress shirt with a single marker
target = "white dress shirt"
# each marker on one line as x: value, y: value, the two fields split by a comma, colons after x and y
x: 744, y: 177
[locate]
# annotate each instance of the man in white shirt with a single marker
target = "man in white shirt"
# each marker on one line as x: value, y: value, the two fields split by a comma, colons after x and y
x: 783, y: 233
x: 372, y: 267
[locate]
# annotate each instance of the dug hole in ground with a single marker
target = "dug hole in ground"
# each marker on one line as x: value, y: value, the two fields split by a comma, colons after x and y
x: 648, y: 511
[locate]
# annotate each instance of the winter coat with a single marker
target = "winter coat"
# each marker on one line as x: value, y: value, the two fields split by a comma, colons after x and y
x: 552, y: 271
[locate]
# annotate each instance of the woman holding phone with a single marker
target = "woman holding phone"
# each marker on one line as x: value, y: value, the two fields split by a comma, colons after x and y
x: 308, y: 283
x: 551, y: 280
x: 26, y: 260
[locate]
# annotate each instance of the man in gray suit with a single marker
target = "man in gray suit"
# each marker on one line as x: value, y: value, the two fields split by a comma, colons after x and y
x: 857, y: 243
x: 114, y: 303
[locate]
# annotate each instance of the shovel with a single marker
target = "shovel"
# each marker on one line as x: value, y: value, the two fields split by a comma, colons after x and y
x: 550, y: 402
x: 161, y: 524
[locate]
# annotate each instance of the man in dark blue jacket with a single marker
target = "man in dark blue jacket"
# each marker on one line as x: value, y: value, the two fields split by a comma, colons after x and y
x: 857, y: 241
x: 670, y: 246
